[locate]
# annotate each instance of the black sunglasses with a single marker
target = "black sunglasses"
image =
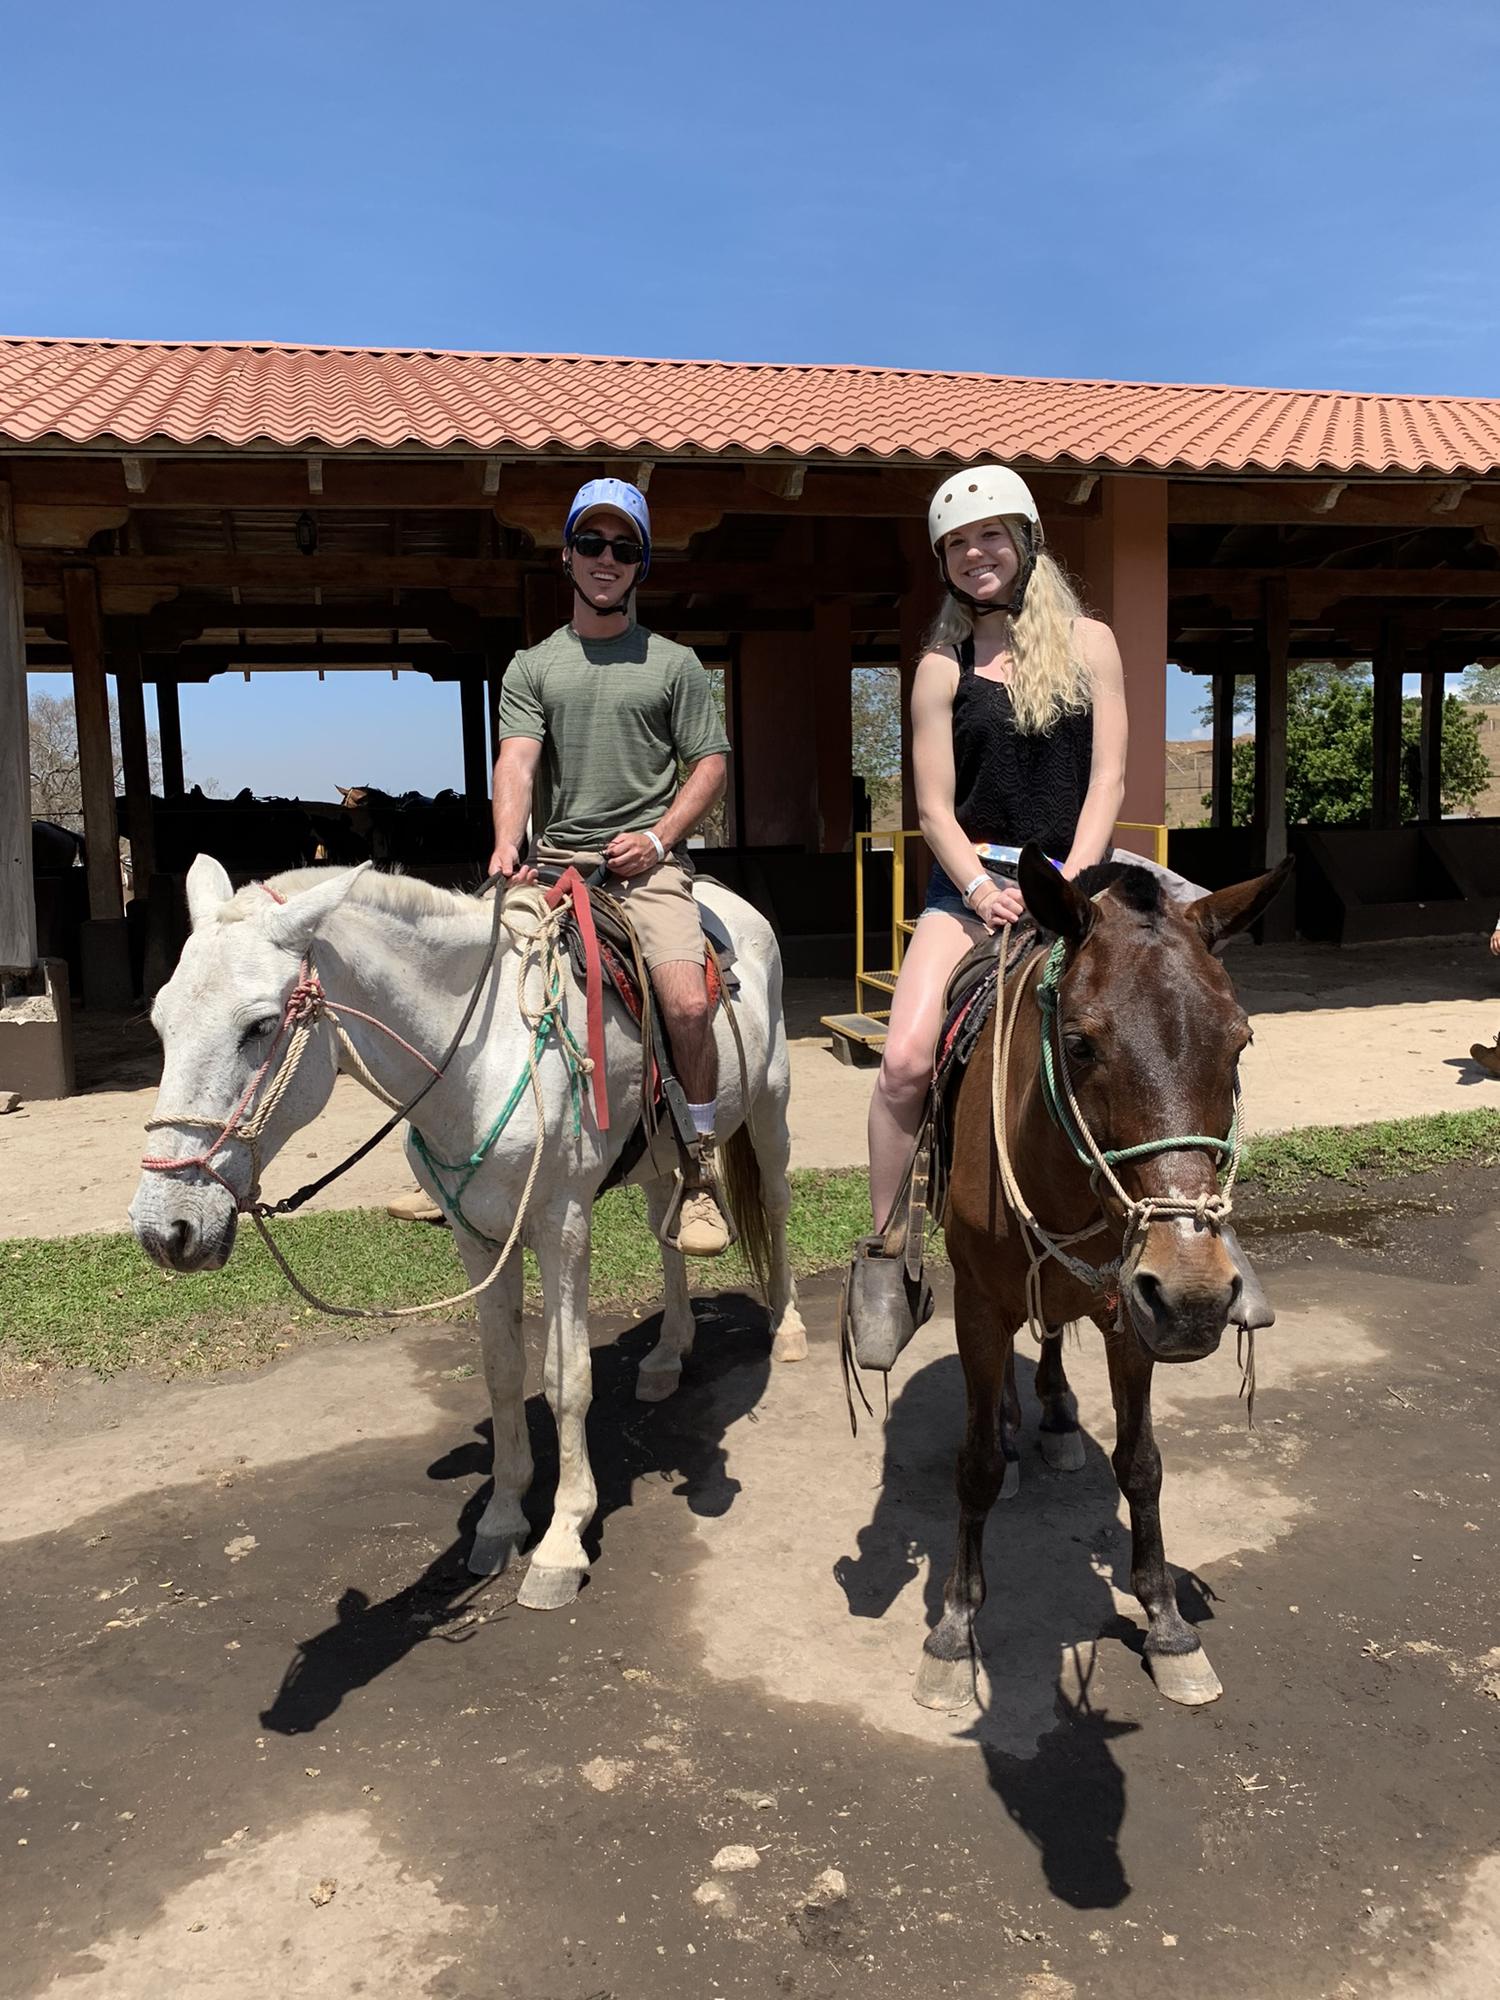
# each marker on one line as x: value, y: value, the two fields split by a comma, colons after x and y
x: 591, y: 543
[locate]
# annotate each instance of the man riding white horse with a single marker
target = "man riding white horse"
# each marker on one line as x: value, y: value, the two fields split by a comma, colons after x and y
x: 604, y: 714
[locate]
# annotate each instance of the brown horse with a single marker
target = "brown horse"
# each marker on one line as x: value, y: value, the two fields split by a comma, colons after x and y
x: 1103, y: 1201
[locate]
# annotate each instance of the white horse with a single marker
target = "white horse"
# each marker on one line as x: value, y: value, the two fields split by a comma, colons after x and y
x: 408, y: 955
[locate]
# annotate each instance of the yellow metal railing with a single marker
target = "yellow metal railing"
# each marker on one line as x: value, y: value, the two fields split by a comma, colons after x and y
x: 881, y: 980
x: 1158, y: 836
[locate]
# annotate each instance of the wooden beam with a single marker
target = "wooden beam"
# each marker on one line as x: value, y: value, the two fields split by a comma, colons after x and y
x: 1221, y: 763
x: 785, y: 481
x: 65, y: 527
x: 1373, y: 503
x: 1080, y: 491
x: 1385, y: 784
x: 1448, y: 500
x: 169, y: 733
x: 96, y: 760
x: 315, y: 476
x: 137, y: 473
x: 135, y: 757
x: 1430, y: 786
x: 489, y: 485
x: 471, y: 719
x: 17, y: 897
x: 1316, y: 588
x: 1330, y: 496
x: 1270, y: 726
x: 643, y: 474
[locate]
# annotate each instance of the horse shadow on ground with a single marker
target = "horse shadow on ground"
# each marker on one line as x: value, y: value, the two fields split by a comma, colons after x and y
x: 679, y: 1443
x: 1052, y: 1555
x: 1469, y: 1071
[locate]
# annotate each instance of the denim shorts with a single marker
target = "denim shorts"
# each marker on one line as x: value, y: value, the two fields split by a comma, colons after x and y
x: 943, y: 893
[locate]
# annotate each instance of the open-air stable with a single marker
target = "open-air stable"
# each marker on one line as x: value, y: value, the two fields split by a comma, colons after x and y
x: 174, y: 511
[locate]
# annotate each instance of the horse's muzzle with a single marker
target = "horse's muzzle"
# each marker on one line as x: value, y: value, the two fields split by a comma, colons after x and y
x: 184, y: 1229
x: 1180, y: 1304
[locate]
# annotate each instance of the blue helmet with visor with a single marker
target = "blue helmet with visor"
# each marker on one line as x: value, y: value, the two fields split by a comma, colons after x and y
x: 621, y: 498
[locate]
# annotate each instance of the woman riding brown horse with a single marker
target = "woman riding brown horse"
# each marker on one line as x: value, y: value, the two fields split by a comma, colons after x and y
x: 1089, y: 1133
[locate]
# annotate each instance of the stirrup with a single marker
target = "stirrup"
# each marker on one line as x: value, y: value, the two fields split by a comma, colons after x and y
x: 669, y: 1235
x: 885, y: 1304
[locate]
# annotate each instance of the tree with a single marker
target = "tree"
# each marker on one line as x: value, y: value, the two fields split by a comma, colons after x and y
x: 1481, y: 685
x: 1330, y: 754
x: 56, y: 786
x: 875, y: 707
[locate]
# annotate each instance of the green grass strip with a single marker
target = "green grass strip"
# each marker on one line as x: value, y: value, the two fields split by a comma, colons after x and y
x: 95, y: 1302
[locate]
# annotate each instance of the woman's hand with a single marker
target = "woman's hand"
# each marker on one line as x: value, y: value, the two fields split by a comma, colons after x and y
x: 997, y: 903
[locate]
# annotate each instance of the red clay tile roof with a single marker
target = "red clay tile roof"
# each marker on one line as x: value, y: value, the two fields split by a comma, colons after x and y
x: 138, y: 392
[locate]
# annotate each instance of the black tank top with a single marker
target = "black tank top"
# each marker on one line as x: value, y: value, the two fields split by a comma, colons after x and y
x: 1011, y: 787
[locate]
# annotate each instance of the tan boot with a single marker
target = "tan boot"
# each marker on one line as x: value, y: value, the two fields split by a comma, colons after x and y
x: 417, y: 1206
x: 702, y: 1230
x: 1487, y: 1055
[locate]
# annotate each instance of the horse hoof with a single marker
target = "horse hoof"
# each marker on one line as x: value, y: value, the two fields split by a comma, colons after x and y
x: 546, y: 1589
x: 654, y: 1385
x: 1186, y: 1678
x: 790, y: 1343
x: 1063, y: 1450
x: 491, y: 1554
x: 945, y: 1684
x: 1010, y: 1485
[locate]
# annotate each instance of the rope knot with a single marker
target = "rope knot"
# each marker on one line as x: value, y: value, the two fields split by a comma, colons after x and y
x: 304, y: 1004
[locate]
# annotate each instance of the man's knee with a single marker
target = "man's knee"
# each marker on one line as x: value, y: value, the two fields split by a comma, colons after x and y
x: 682, y: 994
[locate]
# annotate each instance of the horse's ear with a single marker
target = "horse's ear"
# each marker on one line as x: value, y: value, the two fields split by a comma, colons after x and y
x: 207, y: 887
x: 295, y: 923
x: 1228, y: 911
x: 1058, y: 905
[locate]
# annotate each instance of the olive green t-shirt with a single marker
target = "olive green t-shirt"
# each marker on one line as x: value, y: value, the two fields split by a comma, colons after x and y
x: 614, y: 718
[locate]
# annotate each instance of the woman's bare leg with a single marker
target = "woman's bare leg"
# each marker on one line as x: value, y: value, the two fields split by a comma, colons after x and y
x: 906, y: 1068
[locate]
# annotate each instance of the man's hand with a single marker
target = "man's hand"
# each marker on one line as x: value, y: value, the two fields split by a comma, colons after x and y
x: 505, y: 862
x: 630, y: 854
x: 1495, y: 941
x: 997, y: 903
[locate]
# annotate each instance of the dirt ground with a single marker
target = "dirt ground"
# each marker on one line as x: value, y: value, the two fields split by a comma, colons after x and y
x: 264, y: 1735
x: 1341, y: 1037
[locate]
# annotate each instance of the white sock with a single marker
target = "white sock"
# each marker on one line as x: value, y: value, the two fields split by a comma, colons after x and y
x: 703, y: 1118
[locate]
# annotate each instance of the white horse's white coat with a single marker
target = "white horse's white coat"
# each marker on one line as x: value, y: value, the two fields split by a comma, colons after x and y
x: 409, y: 954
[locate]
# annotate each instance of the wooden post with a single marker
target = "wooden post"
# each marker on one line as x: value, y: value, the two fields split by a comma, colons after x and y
x: 1222, y: 757
x: 834, y: 724
x: 1434, y: 691
x: 96, y: 758
x: 1125, y: 579
x: 169, y: 730
x: 1385, y: 786
x: 17, y: 895
x: 140, y: 828
x: 471, y: 712
x: 1270, y: 724
x: 916, y: 611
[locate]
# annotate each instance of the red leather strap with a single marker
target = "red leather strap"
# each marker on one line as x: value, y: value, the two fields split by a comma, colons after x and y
x: 571, y: 883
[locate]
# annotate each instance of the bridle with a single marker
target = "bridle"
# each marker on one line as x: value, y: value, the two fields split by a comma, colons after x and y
x: 1136, y: 1214
x: 307, y: 1004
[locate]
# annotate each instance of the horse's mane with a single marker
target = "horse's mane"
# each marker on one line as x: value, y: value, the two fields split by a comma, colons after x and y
x: 1137, y: 888
x: 402, y: 895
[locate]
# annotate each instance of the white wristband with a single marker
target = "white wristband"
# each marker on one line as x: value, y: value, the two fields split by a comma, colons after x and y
x: 661, y: 852
x: 978, y: 883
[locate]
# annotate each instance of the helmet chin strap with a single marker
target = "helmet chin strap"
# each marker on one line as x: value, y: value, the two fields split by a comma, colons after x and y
x: 619, y: 610
x: 983, y: 608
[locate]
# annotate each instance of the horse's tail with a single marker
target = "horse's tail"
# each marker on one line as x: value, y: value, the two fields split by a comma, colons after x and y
x: 747, y: 1204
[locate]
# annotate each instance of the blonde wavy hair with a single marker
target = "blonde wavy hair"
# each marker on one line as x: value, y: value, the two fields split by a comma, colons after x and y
x: 1049, y: 680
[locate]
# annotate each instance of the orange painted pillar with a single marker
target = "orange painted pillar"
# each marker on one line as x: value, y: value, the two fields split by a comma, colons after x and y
x: 832, y: 699
x: 1125, y: 584
x: 918, y: 608
x: 775, y: 746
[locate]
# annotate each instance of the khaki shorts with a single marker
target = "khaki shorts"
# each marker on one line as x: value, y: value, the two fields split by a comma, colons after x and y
x: 660, y: 904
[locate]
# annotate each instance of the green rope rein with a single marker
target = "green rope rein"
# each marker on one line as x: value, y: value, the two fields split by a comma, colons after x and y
x: 550, y: 1019
x: 1055, y: 1098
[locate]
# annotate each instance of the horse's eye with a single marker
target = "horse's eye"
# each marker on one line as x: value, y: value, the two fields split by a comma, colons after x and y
x: 1080, y: 1049
x: 258, y: 1031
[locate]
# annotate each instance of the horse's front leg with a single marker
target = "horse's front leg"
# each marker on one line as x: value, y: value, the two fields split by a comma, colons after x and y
x: 1174, y: 1652
x: 560, y: 1236
x: 661, y: 1370
x: 503, y: 1528
x: 946, y: 1676
x: 1060, y: 1437
x: 771, y: 1138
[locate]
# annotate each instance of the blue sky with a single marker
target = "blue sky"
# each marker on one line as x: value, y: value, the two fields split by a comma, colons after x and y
x: 1272, y: 194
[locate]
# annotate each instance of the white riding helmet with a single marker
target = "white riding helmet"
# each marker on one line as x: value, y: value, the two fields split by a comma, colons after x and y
x: 983, y: 493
